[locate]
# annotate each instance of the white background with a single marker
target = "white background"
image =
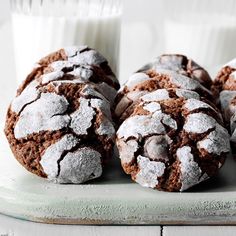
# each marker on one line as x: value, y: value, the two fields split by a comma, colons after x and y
x: 139, y: 42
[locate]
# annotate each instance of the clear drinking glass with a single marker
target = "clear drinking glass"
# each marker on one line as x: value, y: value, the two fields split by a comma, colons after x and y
x: 43, y: 26
x: 202, y: 29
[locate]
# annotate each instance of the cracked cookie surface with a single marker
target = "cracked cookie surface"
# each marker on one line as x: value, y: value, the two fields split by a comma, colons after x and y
x: 224, y: 87
x: 167, y: 71
x: 60, y: 126
x: 172, y: 144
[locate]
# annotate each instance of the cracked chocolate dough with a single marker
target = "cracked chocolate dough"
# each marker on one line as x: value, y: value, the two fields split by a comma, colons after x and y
x: 60, y: 126
x: 172, y: 144
x: 224, y: 87
x: 167, y: 71
x: 171, y: 135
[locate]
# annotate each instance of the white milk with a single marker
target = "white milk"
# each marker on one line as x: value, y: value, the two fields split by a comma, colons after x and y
x: 36, y: 36
x: 208, y: 39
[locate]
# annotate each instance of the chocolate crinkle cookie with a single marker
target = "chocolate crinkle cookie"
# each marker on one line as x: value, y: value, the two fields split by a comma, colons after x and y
x: 224, y: 87
x: 167, y: 71
x: 60, y: 126
x: 172, y: 144
x: 171, y: 135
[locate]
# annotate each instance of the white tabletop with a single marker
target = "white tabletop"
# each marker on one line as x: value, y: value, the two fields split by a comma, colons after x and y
x: 14, y: 227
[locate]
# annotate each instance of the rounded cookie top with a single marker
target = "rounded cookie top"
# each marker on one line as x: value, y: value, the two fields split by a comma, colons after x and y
x: 172, y: 144
x: 61, y: 130
x: 168, y: 71
x: 226, y: 78
x: 182, y: 65
x: 224, y: 87
x: 77, y: 65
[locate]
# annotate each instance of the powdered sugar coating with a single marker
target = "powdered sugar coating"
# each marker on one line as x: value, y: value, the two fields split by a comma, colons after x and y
x: 163, y: 143
x: 152, y: 107
x: 90, y: 91
x: 156, y: 147
x: 231, y: 111
x: 199, y: 123
x: 147, y: 125
x: 80, y: 166
x: 169, y: 121
x: 226, y: 96
x: 158, y: 95
x: 106, y: 128
x: 165, y: 119
x: 136, y: 79
x: 101, y: 105
x: 130, y: 98
x: 127, y: 150
x: 181, y: 81
x: 43, y: 114
x: 50, y: 159
x: 149, y: 171
x: 65, y: 107
x: 55, y: 75
x: 59, y: 65
x: 193, y: 104
x: 170, y: 71
x: 169, y: 62
x: 216, y: 142
x: 226, y: 79
x: 28, y: 95
x: 171, y: 83
x: 186, y: 122
x: 81, y: 120
x: 179, y: 64
x: 190, y: 171
x: 82, y: 64
x: 187, y: 94
x: 83, y: 72
x: 71, y: 51
x: 135, y: 95
x: 233, y: 135
x: 90, y: 57
x: 233, y: 123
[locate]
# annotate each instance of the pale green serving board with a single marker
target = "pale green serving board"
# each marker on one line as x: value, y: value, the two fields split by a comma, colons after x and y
x: 113, y: 199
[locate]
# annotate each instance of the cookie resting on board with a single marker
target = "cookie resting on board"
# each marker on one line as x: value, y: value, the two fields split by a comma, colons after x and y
x: 60, y: 126
x: 175, y: 143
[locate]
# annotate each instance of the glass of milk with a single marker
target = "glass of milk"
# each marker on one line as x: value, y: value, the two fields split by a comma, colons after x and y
x: 43, y: 26
x: 204, y: 30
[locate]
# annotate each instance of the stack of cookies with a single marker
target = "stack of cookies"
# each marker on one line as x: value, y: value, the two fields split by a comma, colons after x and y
x: 60, y: 126
x: 171, y: 134
x: 224, y: 87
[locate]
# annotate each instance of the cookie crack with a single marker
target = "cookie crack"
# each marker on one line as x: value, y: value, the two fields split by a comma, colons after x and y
x: 27, y: 104
x: 60, y: 114
x: 89, y: 96
x: 91, y: 128
x: 63, y: 155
